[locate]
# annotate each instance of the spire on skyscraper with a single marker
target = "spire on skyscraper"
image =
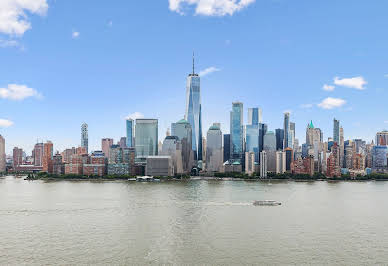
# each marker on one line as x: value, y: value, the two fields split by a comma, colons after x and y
x: 193, y: 64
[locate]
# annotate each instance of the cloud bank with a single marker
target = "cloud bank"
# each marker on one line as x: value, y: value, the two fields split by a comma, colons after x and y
x: 14, y: 15
x: 210, y: 7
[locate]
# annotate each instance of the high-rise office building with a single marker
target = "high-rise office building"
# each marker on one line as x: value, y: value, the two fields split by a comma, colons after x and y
x: 48, y: 153
x: 2, y: 155
x: 314, y: 138
x: 287, y: 133
x: 382, y: 138
x: 279, y: 139
x: 336, y: 131
x: 37, y: 153
x: 226, y: 147
x: 280, y: 162
x: 379, y: 158
x: 129, y: 123
x: 85, y: 137
x: 292, y: 136
x: 172, y: 147
x: 214, y: 149
x: 254, y: 116
x: 252, y: 135
x: 263, y: 164
x: 106, y: 143
x: 236, y: 131
x: 182, y: 129
x: 193, y: 111
x: 146, y: 132
x: 263, y: 128
x: 17, y: 156
x: 270, y: 149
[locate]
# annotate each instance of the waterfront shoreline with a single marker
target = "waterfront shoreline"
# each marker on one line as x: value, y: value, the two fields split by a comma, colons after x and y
x: 195, y: 178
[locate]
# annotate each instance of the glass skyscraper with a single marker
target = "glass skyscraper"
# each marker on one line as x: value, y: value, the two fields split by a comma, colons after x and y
x: 252, y: 135
x: 336, y: 131
x: 129, y: 129
x: 254, y: 116
x: 279, y: 139
x: 193, y: 112
x: 287, y: 133
x: 236, y: 131
x: 146, y: 137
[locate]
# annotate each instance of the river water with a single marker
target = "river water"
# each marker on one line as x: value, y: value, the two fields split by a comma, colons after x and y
x: 192, y: 222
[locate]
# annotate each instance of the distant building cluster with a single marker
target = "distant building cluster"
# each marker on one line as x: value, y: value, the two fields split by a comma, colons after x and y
x: 249, y: 148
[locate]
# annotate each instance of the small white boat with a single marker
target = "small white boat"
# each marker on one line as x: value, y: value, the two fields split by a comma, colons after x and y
x: 266, y: 203
x: 145, y: 179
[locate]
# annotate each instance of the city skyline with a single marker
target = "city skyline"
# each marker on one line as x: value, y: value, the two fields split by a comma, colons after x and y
x: 114, y: 74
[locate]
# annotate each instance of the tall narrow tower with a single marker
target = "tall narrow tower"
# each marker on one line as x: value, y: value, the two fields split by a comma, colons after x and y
x: 193, y: 111
x: 84, y: 137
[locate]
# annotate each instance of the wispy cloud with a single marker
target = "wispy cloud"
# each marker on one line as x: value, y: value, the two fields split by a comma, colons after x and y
x: 18, y: 92
x: 110, y: 23
x: 14, y: 15
x: 5, y: 123
x: 9, y: 43
x: 330, y: 103
x: 306, y: 106
x: 327, y: 87
x: 354, y: 83
x: 134, y: 116
x: 75, y: 34
x: 386, y: 75
x: 210, y: 7
x: 208, y: 71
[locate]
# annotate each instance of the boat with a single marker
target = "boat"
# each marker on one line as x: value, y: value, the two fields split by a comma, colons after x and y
x: 144, y: 178
x: 266, y: 203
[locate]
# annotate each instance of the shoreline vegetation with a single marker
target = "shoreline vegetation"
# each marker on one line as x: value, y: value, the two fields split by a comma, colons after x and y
x: 215, y: 176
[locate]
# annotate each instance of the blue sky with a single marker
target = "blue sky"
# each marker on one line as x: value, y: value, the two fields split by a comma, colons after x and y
x: 100, y: 61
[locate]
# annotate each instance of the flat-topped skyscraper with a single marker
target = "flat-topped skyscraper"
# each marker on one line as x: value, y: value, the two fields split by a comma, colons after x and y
x: 193, y: 111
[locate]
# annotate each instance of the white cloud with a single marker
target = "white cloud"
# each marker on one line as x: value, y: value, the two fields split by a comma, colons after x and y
x: 208, y: 71
x: 354, y: 83
x: 135, y: 115
x: 9, y: 43
x: 14, y: 15
x: 330, y: 103
x: 18, y: 92
x: 306, y: 106
x: 386, y: 75
x: 110, y: 23
x: 5, y: 123
x: 328, y: 87
x: 210, y: 7
x: 75, y: 34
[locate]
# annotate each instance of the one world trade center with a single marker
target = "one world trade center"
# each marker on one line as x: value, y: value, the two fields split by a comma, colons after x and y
x: 193, y: 111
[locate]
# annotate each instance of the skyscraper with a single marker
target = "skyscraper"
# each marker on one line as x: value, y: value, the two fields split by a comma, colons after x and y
x: 106, y: 143
x: 2, y: 154
x: 146, y: 132
x: 382, y: 138
x: 226, y: 147
x: 48, y: 153
x: 182, y: 129
x: 287, y: 133
x: 193, y: 111
x: 336, y: 131
x: 254, y: 116
x: 17, y: 156
x: 214, y: 149
x: 130, y: 129
x: 84, y: 137
x: 236, y: 131
x: 292, y: 136
x: 252, y: 135
x: 37, y: 153
x: 314, y: 138
x: 279, y: 139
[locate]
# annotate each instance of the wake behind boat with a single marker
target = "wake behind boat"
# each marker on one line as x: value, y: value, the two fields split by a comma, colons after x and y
x: 266, y: 203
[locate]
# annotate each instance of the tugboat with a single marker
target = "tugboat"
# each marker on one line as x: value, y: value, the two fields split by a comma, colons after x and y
x: 266, y: 203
